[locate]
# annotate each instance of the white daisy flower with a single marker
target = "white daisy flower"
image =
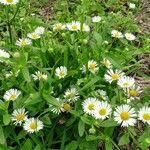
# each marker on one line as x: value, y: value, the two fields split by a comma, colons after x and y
x: 116, y: 34
x: 83, y: 68
x: 57, y: 109
x: 4, y: 54
x: 92, y: 66
x: 125, y: 115
x: 102, y: 110
x: 134, y: 92
x: 131, y: 5
x: 61, y: 72
x: 96, y: 19
x: 33, y: 36
x: 74, y: 26
x: 39, y: 30
x: 113, y: 75
x: 107, y: 63
x: 11, y: 94
x: 89, y: 105
x: 144, y: 114
x: 9, y: 2
x: 130, y: 36
x: 39, y: 76
x: 126, y: 82
x: 71, y: 95
x: 33, y: 125
x: 85, y: 28
x: 59, y: 26
x: 19, y: 116
x: 23, y: 42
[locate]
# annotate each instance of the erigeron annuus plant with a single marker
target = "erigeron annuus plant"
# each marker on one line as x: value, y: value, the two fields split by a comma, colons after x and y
x: 68, y: 87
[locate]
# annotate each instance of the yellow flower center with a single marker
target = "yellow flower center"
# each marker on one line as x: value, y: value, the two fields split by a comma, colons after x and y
x: 126, y: 84
x: 91, y: 106
x: 58, y: 27
x: 9, y: 1
x: 13, y: 97
x: 125, y: 115
x: 74, y: 27
x: 34, y: 36
x: 67, y: 106
x: 133, y: 93
x: 115, y: 76
x: 62, y: 74
x: 146, y: 116
x: 20, y: 117
x: 33, y: 125
x: 92, y: 66
x: 102, y: 111
x: 71, y: 95
x: 24, y: 43
x: 117, y: 34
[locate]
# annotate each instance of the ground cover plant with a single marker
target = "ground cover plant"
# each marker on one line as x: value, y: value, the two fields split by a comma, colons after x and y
x: 69, y: 83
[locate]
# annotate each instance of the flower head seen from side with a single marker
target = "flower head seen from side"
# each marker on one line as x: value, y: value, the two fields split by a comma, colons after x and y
x: 3, y: 54
x: 39, y: 76
x: 85, y: 28
x: 33, y: 36
x: 89, y: 105
x: 32, y: 125
x: 39, y: 30
x: 23, y: 42
x: 130, y: 36
x: 96, y: 19
x: 125, y: 115
x: 113, y: 75
x: 116, y: 34
x: 144, y: 114
x: 107, y: 63
x: 11, y: 94
x: 126, y: 82
x: 19, y: 116
x: 59, y: 26
x: 59, y: 108
x: 102, y: 110
x: 93, y: 66
x: 74, y: 26
x: 134, y: 92
x: 9, y: 2
x: 61, y: 72
x: 71, y: 95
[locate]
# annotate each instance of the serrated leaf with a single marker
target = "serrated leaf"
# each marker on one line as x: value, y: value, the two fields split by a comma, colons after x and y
x: 81, y: 128
x: 124, y: 139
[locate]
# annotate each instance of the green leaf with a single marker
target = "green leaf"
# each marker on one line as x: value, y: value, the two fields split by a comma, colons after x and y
x: 108, y: 123
x: 72, y: 146
x: 37, y: 147
x: 6, y: 119
x: 94, y: 137
x: 27, y: 145
x: 26, y: 75
x: 124, y: 139
x: 81, y: 128
x: 90, y: 83
x: 2, y: 137
x: 2, y: 105
x: 108, y: 146
x: 52, y: 100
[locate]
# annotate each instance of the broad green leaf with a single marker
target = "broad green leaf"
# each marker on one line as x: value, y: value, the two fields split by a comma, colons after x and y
x: 108, y: 123
x: 26, y: 74
x: 6, y: 119
x: 72, y: 146
x: 2, y: 105
x: 124, y: 139
x: 81, y: 128
x: 27, y: 145
x: 37, y: 147
x: 52, y: 100
x: 94, y: 137
x: 2, y: 137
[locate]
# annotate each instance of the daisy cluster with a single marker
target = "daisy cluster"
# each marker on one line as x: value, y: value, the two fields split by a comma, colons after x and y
x: 9, y: 2
x: 19, y: 116
x: 31, y: 36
